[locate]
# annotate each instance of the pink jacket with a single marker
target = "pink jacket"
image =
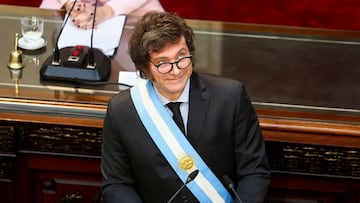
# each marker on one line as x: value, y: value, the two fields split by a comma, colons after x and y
x: 133, y: 7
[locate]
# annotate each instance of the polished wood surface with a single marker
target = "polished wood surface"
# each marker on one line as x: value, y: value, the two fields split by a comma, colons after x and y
x: 300, y: 79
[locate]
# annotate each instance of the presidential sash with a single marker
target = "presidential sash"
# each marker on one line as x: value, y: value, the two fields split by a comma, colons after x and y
x: 180, y: 154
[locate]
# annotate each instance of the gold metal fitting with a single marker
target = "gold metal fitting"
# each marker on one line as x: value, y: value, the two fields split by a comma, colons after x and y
x: 15, y: 61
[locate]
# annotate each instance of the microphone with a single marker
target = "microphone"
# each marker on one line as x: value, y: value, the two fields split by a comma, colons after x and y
x: 190, y: 178
x: 230, y: 185
x: 91, y: 63
x: 56, y: 59
x: 78, y: 63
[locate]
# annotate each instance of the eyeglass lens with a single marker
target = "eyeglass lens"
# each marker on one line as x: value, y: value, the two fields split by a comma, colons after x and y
x: 181, y: 64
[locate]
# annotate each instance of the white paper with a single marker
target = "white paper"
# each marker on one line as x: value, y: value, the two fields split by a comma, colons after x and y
x: 106, y: 36
x: 130, y: 78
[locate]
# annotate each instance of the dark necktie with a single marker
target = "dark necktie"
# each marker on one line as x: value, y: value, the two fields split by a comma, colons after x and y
x: 175, y: 108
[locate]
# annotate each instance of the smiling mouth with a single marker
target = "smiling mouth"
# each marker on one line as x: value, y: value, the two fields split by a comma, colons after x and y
x: 176, y: 79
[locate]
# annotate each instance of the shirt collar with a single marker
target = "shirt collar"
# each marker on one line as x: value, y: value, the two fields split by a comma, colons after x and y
x: 184, y: 97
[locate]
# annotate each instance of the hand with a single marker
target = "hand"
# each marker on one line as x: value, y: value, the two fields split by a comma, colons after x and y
x: 83, y: 15
x: 68, y: 5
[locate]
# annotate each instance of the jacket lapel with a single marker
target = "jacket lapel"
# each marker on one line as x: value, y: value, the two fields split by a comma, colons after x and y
x: 198, y: 106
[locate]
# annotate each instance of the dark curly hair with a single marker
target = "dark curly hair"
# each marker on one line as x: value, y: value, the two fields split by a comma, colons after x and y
x: 152, y: 33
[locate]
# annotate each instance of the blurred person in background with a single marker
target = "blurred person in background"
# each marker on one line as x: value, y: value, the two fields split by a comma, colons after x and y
x: 83, y: 11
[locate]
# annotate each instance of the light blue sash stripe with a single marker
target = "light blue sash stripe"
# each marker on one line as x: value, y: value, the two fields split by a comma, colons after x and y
x: 202, y: 197
x: 168, y: 153
x: 153, y: 131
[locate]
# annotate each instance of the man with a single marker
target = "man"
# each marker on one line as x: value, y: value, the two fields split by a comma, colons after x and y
x: 147, y: 158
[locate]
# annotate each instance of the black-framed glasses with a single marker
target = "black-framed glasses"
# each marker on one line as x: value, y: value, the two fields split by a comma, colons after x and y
x: 182, y: 63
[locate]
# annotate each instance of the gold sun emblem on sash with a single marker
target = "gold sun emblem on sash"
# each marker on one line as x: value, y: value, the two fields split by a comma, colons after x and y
x: 186, y: 162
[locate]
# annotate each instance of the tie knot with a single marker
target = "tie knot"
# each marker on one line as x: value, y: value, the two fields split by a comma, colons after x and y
x: 174, y: 106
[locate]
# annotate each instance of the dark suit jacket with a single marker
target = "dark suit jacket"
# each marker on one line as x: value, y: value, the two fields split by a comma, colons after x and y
x: 222, y: 127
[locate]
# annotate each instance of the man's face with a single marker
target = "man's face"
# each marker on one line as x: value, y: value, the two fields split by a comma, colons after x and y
x: 171, y: 84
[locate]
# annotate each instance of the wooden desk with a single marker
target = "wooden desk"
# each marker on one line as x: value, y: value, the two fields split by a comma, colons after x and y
x: 304, y: 84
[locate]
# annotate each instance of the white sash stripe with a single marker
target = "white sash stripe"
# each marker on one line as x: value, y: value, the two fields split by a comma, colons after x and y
x: 208, y: 188
x: 162, y: 126
x: 176, y: 148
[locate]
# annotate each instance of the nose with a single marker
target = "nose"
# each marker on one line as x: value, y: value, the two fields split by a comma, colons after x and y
x: 175, y: 70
